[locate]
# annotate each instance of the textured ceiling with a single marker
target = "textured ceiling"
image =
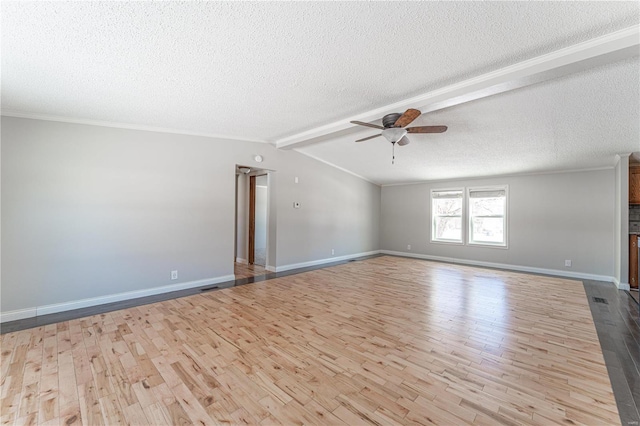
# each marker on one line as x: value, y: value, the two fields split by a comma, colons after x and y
x: 264, y: 71
x: 575, y: 122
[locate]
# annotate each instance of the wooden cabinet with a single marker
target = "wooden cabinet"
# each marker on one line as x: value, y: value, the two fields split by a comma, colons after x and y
x: 633, y: 261
x: 634, y: 185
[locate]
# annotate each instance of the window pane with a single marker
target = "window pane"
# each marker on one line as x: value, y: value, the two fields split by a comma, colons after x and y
x: 448, y: 206
x: 487, y: 230
x: 448, y: 228
x: 487, y: 206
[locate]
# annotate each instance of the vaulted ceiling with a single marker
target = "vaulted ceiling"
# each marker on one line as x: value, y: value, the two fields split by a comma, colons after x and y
x: 295, y: 73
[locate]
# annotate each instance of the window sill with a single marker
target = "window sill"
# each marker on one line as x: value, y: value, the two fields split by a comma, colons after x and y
x: 455, y: 243
x: 487, y: 245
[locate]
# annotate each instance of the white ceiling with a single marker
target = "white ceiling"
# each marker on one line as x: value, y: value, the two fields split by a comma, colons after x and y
x: 267, y: 71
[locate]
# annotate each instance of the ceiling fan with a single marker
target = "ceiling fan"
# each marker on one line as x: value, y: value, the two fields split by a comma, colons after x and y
x: 395, y: 131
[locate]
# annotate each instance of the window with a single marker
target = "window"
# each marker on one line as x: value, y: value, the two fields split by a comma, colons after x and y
x: 488, y: 216
x: 446, y: 215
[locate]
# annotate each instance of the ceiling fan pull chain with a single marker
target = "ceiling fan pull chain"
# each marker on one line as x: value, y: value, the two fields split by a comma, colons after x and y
x: 393, y: 153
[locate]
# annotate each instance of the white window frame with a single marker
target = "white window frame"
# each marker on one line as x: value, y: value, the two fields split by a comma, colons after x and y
x: 462, y: 217
x: 505, y: 217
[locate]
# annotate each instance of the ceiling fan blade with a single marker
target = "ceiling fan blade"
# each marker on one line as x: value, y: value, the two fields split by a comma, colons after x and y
x: 370, y: 137
x: 404, y: 141
x: 406, y: 118
x: 427, y: 129
x: 362, y: 123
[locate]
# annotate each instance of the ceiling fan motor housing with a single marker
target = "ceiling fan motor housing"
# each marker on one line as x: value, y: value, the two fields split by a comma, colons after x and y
x: 389, y: 120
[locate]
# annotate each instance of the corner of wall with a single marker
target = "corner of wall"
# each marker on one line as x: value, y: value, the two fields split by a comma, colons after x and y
x: 621, y: 286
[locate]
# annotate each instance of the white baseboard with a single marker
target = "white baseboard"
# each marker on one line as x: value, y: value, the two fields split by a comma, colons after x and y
x: 241, y: 260
x: 323, y: 261
x: 621, y: 286
x: 18, y: 314
x: 270, y: 268
x: 557, y: 272
x: 624, y: 286
x: 101, y: 300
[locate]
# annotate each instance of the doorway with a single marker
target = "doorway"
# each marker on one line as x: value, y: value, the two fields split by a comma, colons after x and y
x: 253, y: 224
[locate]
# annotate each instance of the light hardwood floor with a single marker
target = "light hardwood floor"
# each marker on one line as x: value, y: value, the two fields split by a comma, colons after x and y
x: 382, y: 341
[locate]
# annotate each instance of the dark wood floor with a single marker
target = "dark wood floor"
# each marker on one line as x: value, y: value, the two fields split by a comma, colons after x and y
x: 617, y: 324
x: 243, y: 270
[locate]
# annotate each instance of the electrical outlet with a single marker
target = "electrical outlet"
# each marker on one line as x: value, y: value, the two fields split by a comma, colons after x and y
x: 333, y: 251
x: 567, y: 263
x: 174, y: 275
x: 408, y: 246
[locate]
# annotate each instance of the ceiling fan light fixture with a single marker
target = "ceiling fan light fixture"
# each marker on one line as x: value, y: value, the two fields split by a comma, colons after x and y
x: 404, y: 141
x: 394, y: 134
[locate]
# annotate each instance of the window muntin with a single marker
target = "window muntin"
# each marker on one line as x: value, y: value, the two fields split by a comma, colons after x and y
x: 446, y: 214
x: 487, y: 216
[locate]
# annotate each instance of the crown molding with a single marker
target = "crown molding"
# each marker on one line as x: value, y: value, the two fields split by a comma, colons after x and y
x: 117, y: 125
x: 610, y: 48
x: 504, y: 176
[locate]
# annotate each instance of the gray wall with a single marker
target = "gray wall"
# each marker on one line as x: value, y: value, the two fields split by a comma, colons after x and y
x: 552, y: 217
x: 337, y: 211
x: 89, y: 211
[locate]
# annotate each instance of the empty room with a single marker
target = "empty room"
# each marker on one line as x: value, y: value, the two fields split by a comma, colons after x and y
x: 320, y: 213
